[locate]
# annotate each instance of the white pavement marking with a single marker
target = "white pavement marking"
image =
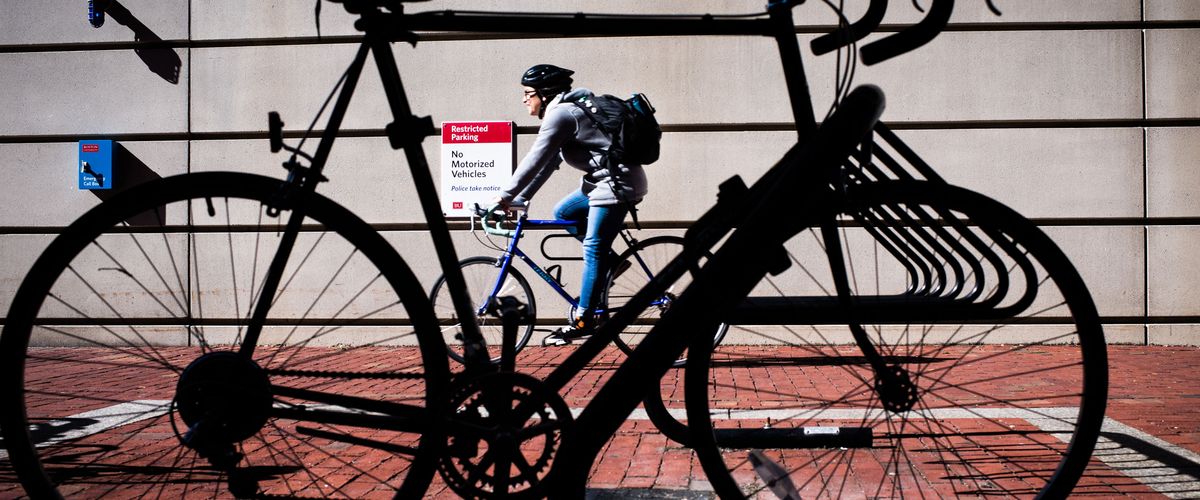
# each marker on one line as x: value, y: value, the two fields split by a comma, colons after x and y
x: 1118, y: 446
x: 1120, y: 451
x: 1044, y: 416
x: 97, y: 421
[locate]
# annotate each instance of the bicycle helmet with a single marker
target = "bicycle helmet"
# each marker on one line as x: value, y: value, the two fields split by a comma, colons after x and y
x: 548, y: 80
x: 547, y: 77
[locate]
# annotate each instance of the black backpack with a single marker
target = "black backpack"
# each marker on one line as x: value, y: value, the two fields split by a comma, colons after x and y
x: 630, y: 123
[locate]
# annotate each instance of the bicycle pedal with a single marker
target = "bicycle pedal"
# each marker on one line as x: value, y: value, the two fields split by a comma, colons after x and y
x: 774, y: 475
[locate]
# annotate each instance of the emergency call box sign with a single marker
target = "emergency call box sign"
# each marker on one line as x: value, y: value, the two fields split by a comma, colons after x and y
x: 477, y: 162
x: 95, y: 164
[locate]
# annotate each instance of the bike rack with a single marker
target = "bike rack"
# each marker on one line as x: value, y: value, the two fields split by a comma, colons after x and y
x: 956, y: 269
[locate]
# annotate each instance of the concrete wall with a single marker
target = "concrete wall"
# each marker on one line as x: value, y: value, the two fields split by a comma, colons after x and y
x: 1080, y: 114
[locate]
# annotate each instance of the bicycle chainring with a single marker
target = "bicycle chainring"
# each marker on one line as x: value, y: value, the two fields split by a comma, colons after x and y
x: 503, y: 436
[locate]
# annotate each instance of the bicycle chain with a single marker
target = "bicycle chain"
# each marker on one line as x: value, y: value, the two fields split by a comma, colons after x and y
x: 346, y: 375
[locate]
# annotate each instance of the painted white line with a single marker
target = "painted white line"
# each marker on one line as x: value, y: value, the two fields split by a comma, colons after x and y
x: 1118, y: 448
x: 1046, y: 416
x: 97, y: 421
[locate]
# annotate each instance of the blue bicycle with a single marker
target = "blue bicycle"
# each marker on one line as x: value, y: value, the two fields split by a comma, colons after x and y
x: 489, y: 277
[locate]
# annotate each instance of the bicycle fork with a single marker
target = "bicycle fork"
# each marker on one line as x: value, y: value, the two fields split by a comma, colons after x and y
x: 895, y: 388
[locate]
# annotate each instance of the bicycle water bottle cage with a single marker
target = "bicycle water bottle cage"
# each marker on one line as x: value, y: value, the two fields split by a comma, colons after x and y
x: 555, y: 271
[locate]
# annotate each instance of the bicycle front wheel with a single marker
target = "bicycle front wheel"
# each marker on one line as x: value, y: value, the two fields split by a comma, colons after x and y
x: 124, y: 371
x: 480, y: 274
x: 632, y: 271
x: 994, y: 385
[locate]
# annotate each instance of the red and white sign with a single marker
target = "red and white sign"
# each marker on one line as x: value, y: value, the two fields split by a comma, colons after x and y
x: 477, y: 162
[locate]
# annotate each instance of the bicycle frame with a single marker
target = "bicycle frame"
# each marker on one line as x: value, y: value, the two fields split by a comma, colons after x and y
x: 505, y: 262
x: 655, y: 355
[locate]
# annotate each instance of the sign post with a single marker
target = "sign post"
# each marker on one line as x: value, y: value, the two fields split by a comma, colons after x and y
x: 477, y: 162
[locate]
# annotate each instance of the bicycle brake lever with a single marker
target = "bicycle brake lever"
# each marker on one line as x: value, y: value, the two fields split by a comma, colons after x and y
x: 275, y: 131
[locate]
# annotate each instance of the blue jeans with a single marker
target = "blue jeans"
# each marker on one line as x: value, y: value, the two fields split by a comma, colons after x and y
x: 597, y: 227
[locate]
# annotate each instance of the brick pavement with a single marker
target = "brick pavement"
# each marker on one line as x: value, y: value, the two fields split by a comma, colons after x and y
x: 1152, y: 439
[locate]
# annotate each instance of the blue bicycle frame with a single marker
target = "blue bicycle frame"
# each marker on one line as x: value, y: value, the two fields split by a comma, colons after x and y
x: 505, y: 262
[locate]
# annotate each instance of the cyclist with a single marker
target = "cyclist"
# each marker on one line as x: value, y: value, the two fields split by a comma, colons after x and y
x: 605, y: 193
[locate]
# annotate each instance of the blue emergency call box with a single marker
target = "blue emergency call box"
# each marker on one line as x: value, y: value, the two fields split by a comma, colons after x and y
x: 95, y: 164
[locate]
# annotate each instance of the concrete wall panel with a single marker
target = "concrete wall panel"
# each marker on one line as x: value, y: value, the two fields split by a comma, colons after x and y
x: 1109, y: 259
x: 1173, y: 172
x: 964, y: 76
x: 1041, y: 172
x: 1184, y: 334
x: 1172, y: 70
x: 20, y: 251
x: 1172, y: 10
x: 268, y: 19
x: 42, y: 179
x: 66, y: 21
x: 95, y: 92
x: 1173, y: 271
x: 1040, y: 75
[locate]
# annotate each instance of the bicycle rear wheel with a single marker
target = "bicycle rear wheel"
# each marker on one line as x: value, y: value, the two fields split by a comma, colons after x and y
x: 633, y: 270
x: 121, y: 345
x: 983, y: 404
x: 480, y: 275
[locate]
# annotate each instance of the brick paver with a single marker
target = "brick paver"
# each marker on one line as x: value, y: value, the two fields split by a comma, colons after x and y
x: 1153, y: 390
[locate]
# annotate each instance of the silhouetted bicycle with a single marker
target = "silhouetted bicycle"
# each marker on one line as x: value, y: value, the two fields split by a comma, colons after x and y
x: 181, y: 338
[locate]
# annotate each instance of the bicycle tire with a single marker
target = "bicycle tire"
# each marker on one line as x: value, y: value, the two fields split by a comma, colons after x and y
x: 635, y: 267
x: 479, y: 273
x: 115, y: 313
x: 984, y: 420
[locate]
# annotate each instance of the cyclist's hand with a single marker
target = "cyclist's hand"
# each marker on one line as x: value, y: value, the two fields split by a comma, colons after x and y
x: 497, y: 212
x: 501, y: 204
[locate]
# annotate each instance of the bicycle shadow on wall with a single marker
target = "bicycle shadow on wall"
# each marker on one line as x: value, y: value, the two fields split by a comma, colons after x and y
x: 129, y: 171
x: 155, y: 53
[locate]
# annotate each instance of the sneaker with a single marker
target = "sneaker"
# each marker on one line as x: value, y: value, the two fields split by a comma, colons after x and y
x: 580, y: 329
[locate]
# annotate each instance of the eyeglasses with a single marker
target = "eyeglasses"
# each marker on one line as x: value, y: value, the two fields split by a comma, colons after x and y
x: 529, y: 94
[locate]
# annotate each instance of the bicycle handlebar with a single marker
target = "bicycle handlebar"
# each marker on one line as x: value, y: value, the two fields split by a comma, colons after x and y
x: 497, y: 215
x: 837, y: 39
x: 911, y: 37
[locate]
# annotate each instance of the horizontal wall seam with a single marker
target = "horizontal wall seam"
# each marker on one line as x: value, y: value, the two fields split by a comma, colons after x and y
x: 451, y: 37
x: 463, y: 225
x: 668, y: 128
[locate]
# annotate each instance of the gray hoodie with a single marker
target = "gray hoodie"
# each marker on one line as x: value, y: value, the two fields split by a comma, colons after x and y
x: 567, y: 133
